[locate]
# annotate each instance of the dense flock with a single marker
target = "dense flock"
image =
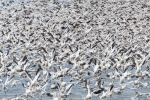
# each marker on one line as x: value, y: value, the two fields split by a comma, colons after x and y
x: 50, y: 47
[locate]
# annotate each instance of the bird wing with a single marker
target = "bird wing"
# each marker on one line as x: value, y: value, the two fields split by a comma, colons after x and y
x: 69, y: 88
x: 36, y: 77
x: 28, y: 75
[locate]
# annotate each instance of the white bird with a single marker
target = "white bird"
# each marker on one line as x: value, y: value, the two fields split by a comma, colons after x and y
x: 7, y: 81
x: 104, y: 95
x: 34, y: 81
x: 89, y: 95
x: 64, y: 90
x: 67, y: 90
x: 14, y: 83
x: 41, y: 88
x: 96, y: 68
x: 122, y: 79
x: 117, y: 91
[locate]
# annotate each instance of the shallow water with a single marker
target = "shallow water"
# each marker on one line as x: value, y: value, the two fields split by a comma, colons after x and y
x: 77, y: 93
x: 126, y: 95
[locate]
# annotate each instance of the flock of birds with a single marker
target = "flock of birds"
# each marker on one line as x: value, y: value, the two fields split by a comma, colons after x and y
x: 48, y: 48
